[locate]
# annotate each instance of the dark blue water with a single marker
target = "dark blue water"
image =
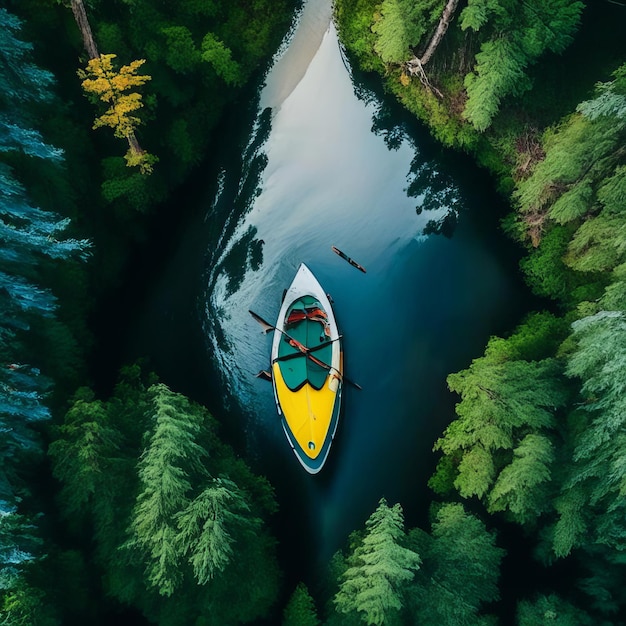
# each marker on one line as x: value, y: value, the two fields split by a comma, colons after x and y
x: 318, y: 158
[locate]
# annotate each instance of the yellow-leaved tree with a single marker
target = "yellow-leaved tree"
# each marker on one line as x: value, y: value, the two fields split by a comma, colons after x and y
x: 114, y: 86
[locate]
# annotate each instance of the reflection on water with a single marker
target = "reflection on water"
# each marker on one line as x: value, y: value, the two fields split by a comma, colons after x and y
x: 326, y: 164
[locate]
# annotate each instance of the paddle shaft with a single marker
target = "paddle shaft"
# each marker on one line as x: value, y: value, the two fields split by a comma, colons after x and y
x: 344, y: 256
x: 303, y: 349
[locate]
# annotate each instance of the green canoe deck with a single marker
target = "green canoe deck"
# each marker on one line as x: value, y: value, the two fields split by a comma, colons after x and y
x: 311, y: 333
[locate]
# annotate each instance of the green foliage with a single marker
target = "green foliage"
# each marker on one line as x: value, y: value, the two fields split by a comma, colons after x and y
x: 596, y: 477
x: 548, y: 275
x: 219, y: 57
x: 459, y: 548
x: 84, y: 452
x: 25, y: 605
x: 551, y: 610
x: 401, y: 26
x: 501, y: 440
x: 599, y: 243
x: 206, y: 527
x: 610, y: 100
x: 600, y: 361
x: 615, y: 294
x: 538, y: 337
x: 572, y: 525
x: 33, y: 247
x: 378, y: 568
x: 300, y: 610
x: 562, y: 165
x: 477, y: 13
x: 500, y: 71
x: 172, y: 454
x: 128, y: 189
x: 601, y: 583
x: 582, y: 181
x: 355, y: 19
x: 442, y: 481
x: 182, y: 55
x: 523, y: 486
x: 518, y: 34
x: 197, y: 524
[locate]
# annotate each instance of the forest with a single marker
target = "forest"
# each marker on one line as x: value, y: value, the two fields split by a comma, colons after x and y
x: 125, y: 503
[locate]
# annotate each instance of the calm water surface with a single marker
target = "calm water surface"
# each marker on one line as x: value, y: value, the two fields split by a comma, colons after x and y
x: 317, y: 159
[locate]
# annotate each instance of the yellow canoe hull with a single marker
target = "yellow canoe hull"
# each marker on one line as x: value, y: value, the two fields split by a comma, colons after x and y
x: 310, y: 417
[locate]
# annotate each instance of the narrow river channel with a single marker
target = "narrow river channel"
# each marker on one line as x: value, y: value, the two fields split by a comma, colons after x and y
x: 319, y: 157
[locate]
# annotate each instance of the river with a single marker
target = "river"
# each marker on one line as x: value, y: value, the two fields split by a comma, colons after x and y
x: 318, y: 156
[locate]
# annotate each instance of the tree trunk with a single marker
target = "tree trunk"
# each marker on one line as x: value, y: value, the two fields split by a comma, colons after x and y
x: 134, y: 144
x: 80, y: 15
x: 415, y: 65
x: 442, y: 27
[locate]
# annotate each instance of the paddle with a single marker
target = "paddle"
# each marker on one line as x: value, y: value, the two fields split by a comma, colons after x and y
x: 293, y: 355
x: 352, y: 262
x: 303, y: 349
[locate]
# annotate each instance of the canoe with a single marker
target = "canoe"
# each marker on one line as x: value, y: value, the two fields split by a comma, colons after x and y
x: 307, y: 370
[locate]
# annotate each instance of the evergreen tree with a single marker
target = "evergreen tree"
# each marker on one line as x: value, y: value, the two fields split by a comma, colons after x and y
x: 523, y: 486
x: 582, y: 180
x: 207, y: 527
x: 164, y: 473
x: 401, y: 25
x: 26, y: 232
x: 84, y: 453
x: 517, y: 35
x: 598, y: 474
x: 219, y: 57
x: 378, y: 569
x: 501, y: 438
x: 459, y: 548
x: 25, y: 605
x: 300, y: 610
x: 30, y: 237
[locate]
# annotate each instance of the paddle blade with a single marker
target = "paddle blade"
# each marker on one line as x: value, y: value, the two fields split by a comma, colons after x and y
x: 266, y: 326
x: 264, y: 375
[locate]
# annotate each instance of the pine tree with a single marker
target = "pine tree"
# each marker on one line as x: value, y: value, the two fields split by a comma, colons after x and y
x: 501, y: 402
x: 518, y: 34
x: 84, y: 453
x: 459, y: 548
x: 401, y: 25
x: 29, y: 238
x: 523, y: 486
x: 598, y: 474
x: 165, y: 478
x: 208, y: 525
x: 300, y: 610
x: 26, y: 232
x: 378, y: 569
x: 581, y: 180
